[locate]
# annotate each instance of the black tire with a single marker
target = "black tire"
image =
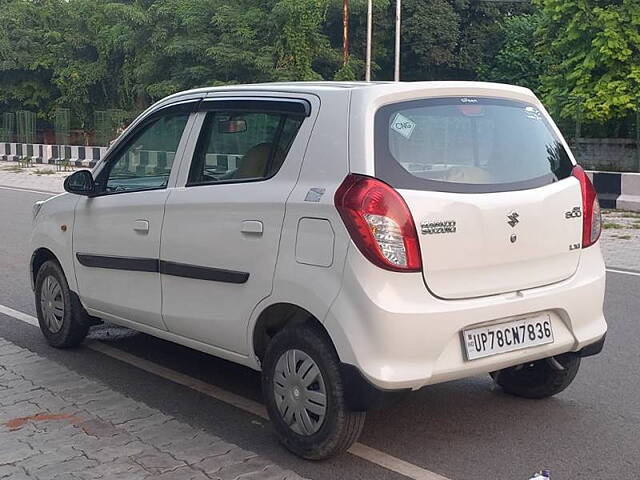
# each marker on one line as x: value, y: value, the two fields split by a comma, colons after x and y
x: 340, y: 427
x: 74, y: 321
x: 538, y: 379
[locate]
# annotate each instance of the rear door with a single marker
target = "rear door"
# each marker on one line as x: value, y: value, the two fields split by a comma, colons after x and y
x: 489, y: 185
x: 222, y: 229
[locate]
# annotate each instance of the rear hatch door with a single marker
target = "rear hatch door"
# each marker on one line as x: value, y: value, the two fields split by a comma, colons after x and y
x: 488, y: 182
x: 483, y: 244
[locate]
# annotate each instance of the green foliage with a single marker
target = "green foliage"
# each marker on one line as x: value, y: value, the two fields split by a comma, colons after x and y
x: 345, y: 73
x: 25, y: 67
x: 515, y: 62
x: 106, y: 55
x: 593, y: 57
x: 300, y: 40
x: 430, y: 36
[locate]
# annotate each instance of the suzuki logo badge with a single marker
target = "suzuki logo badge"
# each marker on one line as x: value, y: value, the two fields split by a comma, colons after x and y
x: 513, y: 219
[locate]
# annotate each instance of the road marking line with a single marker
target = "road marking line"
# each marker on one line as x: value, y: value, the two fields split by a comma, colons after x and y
x: 393, y: 463
x: 360, y: 450
x: 18, y: 189
x: 23, y: 317
x: 624, y: 272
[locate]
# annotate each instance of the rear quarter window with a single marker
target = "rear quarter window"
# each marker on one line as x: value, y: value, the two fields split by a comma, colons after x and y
x: 467, y: 144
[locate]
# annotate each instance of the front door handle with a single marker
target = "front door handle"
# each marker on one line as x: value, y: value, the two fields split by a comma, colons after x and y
x: 141, y: 226
x: 252, y: 226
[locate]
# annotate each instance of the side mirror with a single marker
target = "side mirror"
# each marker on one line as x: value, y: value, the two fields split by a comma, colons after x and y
x: 80, y: 183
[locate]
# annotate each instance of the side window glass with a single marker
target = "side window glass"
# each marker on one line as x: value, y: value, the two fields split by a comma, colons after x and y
x: 146, y: 160
x: 237, y: 146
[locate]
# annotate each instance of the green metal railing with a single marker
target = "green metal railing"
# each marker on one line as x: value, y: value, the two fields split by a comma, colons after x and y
x: 26, y: 126
x: 62, y: 125
x: 7, y: 127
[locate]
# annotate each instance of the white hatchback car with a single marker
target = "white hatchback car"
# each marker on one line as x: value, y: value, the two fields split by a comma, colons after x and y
x: 354, y: 241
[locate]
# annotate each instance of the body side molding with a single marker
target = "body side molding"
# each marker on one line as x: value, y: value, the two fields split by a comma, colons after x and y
x: 154, y: 265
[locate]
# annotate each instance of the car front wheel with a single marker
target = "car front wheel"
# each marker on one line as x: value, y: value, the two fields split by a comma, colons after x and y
x: 304, y: 393
x: 62, y: 319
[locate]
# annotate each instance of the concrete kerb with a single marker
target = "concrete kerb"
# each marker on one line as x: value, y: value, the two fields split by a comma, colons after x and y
x: 76, y: 156
x: 617, y: 190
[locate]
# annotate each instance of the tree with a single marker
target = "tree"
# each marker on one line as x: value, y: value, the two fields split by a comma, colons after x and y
x: 382, y: 44
x: 300, y: 38
x: 594, y: 57
x: 430, y: 35
x: 517, y: 62
x: 26, y: 68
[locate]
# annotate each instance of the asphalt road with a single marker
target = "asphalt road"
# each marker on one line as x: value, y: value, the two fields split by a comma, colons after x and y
x: 465, y: 430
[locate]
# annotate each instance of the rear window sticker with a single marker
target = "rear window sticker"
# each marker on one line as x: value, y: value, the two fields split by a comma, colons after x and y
x: 403, y: 125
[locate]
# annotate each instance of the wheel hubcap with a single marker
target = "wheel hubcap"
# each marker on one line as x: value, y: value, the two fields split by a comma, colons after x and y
x: 300, y: 392
x: 52, y: 304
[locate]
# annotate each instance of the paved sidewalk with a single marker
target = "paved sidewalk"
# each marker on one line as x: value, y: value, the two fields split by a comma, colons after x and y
x: 32, y: 178
x: 58, y: 425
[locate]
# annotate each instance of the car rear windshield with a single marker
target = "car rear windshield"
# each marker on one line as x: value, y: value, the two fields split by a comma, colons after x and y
x: 467, y: 144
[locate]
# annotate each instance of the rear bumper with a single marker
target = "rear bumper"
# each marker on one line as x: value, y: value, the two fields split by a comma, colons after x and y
x: 592, y: 349
x: 398, y: 336
x: 361, y: 395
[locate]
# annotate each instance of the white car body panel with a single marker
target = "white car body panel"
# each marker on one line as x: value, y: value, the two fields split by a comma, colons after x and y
x: 106, y: 226
x: 204, y: 226
x: 389, y: 325
x: 56, y: 212
x: 401, y: 338
x: 479, y: 258
x: 310, y: 287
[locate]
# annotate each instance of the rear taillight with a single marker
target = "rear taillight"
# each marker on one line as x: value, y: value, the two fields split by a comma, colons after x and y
x: 380, y: 223
x: 591, y: 217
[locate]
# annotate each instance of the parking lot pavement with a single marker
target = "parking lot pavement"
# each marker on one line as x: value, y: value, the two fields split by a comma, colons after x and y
x: 56, y: 424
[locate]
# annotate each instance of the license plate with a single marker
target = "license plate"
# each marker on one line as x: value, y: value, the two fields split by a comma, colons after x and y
x: 506, y: 337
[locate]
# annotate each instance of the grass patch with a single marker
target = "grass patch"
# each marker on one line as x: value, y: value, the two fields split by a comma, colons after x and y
x: 612, y: 225
x: 624, y: 237
x: 636, y: 225
x: 44, y: 171
x: 628, y: 215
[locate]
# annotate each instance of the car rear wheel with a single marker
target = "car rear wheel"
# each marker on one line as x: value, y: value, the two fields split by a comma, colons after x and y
x: 63, y: 321
x: 540, y: 379
x: 304, y: 393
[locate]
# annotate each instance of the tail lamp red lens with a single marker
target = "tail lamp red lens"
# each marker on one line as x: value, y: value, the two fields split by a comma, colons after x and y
x: 591, y: 216
x: 379, y: 223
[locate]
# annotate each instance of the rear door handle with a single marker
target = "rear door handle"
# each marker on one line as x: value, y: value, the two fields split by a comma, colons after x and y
x: 252, y: 226
x: 141, y: 226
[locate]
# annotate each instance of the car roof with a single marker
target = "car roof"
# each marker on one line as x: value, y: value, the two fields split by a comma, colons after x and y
x: 361, y: 95
x: 382, y: 87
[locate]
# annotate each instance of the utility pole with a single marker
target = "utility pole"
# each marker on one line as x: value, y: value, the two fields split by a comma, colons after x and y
x: 345, y: 32
x: 396, y: 75
x: 367, y: 74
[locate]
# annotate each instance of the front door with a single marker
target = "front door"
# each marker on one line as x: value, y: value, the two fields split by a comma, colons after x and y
x: 222, y: 229
x: 116, y: 236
